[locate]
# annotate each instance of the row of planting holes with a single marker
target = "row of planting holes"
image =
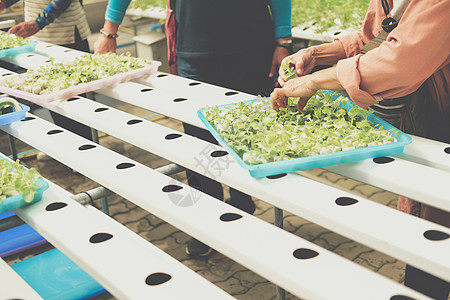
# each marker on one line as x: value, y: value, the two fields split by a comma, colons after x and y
x: 300, y: 253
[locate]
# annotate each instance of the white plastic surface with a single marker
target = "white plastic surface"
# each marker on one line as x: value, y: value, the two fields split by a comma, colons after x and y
x: 13, y: 286
x: 361, y: 222
x: 244, y: 238
x: 120, y: 264
x: 428, y: 152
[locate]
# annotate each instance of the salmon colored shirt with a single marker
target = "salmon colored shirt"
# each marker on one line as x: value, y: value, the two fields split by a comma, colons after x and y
x: 418, y: 48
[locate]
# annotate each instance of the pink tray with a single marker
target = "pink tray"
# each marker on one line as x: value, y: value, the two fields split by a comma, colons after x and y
x: 81, y: 88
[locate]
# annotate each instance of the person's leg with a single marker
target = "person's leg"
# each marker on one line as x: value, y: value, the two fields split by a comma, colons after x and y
x: 426, y: 284
x: 195, y: 248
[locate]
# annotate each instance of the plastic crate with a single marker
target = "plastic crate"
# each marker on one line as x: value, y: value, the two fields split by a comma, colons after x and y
x: 316, y: 161
x: 14, y: 116
x: 17, y: 201
x: 81, y: 88
x: 18, y: 50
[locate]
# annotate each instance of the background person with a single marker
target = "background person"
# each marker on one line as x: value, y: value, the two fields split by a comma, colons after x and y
x: 405, y: 79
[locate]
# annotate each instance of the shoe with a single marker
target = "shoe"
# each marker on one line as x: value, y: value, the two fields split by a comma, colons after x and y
x: 41, y: 156
x: 246, y: 205
x: 197, y: 249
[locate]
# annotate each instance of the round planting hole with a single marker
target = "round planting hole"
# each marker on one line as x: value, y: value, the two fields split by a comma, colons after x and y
x: 157, y: 278
x: 228, y: 217
x: 231, y: 93
x: 304, y: 253
x: 30, y: 55
x: 401, y: 297
x: 219, y: 153
x: 447, y: 150
x: 171, y: 188
x: 194, y: 83
x: 161, y: 75
x: 179, y: 99
x: 276, y: 176
x: 383, y: 160
x: 134, y: 121
x: 345, y: 201
x: 86, y: 147
x: 55, y: 206
x: 54, y: 131
x: 172, y: 136
x: 101, y: 109
x: 73, y: 99
x: 28, y: 119
x: 146, y: 90
x: 7, y: 74
x: 435, y: 235
x: 124, y: 166
x: 100, y: 237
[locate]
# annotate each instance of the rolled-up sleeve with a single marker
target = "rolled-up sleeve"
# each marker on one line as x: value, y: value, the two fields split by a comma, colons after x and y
x: 417, y: 48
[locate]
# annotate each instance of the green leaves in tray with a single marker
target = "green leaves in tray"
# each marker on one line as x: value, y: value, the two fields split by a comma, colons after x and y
x: 58, y: 76
x: 8, y: 41
x: 15, y: 179
x: 259, y: 134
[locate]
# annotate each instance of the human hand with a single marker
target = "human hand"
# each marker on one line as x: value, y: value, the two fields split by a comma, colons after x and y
x: 278, y: 54
x: 303, y: 62
x: 103, y: 45
x: 24, y: 29
x: 302, y: 87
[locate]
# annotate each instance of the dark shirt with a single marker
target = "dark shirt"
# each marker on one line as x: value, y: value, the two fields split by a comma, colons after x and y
x: 220, y: 27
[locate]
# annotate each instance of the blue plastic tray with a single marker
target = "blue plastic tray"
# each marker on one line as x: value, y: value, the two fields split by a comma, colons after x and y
x: 18, y: 50
x: 19, y: 239
x: 14, y: 116
x: 54, y: 276
x: 317, y: 161
x: 17, y: 201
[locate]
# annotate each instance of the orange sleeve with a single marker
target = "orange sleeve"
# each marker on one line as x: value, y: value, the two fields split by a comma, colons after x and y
x: 416, y: 49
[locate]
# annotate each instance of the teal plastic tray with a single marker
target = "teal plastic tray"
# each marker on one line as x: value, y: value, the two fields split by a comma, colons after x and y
x: 31, y: 46
x: 14, y: 116
x: 55, y: 277
x: 317, y: 161
x: 17, y: 201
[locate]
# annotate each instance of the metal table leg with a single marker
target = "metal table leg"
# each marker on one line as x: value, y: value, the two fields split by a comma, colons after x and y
x: 278, y: 221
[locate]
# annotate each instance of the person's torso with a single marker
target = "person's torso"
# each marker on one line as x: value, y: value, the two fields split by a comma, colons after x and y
x: 217, y: 27
x: 62, y: 30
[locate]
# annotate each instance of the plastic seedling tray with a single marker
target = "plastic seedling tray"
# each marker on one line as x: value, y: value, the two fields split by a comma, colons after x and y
x: 31, y: 46
x: 17, y: 201
x: 316, y: 161
x: 14, y: 116
x: 81, y: 88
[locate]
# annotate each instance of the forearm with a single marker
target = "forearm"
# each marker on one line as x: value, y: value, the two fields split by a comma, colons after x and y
x: 111, y: 27
x: 326, y: 80
x: 328, y: 54
x: 51, y: 12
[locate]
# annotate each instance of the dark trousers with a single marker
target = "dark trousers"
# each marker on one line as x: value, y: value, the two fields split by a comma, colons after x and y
x: 64, y: 122
x: 426, y: 284
x: 246, y: 72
